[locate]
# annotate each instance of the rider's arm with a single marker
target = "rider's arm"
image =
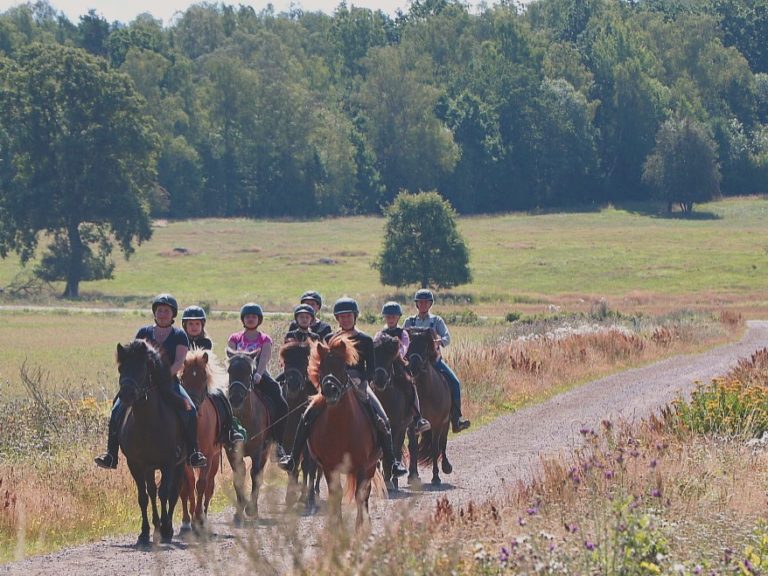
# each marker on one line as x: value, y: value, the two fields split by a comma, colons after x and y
x: 266, y: 353
x: 181, y: 354
x: 405, y: 341
x: 442, y: 331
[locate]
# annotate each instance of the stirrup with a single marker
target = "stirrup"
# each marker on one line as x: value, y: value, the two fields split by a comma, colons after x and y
x: 197, y: 460
x: 398, y: 469
x: 279, y: 451
x: 421, y: 425
x: 287, y: 463
x: 106, y: 461
x: 235, y: 436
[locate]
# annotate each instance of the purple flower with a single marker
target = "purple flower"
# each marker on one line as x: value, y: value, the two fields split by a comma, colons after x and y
x: 504, y: 555
x: 532, y: 511
x: 521, y: 521
x: 609, y: 474
x: 656, y: 493
x: 572, y: 528
x: 584, y: 431
x: 589, y: 545
x: 653, y: 464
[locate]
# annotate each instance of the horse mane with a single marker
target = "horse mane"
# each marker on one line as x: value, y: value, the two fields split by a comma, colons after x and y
x: 216, y: 377
x: 388, y: 347
x: 429, y: 337
x: 340, y: 345
x: 293, y: 351
x: 159, y: 367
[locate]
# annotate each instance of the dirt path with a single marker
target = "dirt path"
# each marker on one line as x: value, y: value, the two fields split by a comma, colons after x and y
x: 506, y: 450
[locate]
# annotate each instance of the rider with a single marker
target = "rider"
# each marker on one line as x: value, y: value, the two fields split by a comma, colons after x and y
x: 346, y: 311
x: 392, y: 312
x: 424, y: 319
x: 193, y: 322
x: 174, y: 344
x: 313, y: 299
x: 250, y: 339
x: 303, y: 318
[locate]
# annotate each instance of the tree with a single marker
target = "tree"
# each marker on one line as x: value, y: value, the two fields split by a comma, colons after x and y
x: 683, y: 166
x: 422, y: 244
x: 81, y: 162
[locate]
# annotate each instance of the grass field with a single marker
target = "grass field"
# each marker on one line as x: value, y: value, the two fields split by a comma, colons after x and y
x: 634, y: 257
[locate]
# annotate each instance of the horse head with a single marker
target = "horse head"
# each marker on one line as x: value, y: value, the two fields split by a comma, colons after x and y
x: 328, y: 367
x: 137, y: 363
x: 386, y: 351
x: 422, y: 350
x: 241, y: 367
x: 196, y: 373
x: 295, y: 357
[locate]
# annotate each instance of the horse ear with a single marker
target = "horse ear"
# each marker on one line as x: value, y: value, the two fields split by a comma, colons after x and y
x: 230, y: 352
x: 120, y: 352
x: 255, y: 354
x: 205, y: 357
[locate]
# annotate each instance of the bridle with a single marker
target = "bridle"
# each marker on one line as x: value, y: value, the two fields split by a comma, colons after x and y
x: 239, y: 383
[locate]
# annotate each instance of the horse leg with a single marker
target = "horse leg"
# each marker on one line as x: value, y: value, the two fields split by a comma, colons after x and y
x: 141, y: 491
x: 213, y: 465
x: 151, y: 486
x: 252, y: 509
x: 310, y: 474
x: 435, y: 457
x: 292, y: 491
x: 237, y: 463
x: 413, y: 454
x: 201, y: 486
x: 362, y: 494
x: 174, y: 485
x: 187, y: 499
x: 445, y: 465
x: 333, y: 479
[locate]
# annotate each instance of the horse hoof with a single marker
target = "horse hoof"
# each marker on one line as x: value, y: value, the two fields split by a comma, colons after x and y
x: 447, y: 468
x: 413, y: 477
x: 185, y: 528
x: 436, y: 481
x: 237, y: 520
x: 143, y: 541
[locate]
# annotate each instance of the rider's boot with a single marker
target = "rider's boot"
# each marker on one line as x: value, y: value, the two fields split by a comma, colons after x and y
x: 420, y: 424
x: 232, y: 432
x: 384, y: 437
x: 288, y: 463
x: 109, y: 459
x: 458, y: 422
x: 195, y: 457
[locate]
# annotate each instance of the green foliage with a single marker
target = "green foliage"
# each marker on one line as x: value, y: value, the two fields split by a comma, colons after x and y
x: 683, y: 167
x: 87, y: 181
x: 421, y: 244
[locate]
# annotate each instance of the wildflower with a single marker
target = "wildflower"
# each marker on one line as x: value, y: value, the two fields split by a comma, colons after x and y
x: 609, y: 474
x: 584, y: 431
x: 656, y: 493
x: 571, y: 528
x: 589, y: 545
x: 532, y: 511
x: 504, y: 555
x: 521, y: 521
x: 653, y: 464
x: 650, y: 567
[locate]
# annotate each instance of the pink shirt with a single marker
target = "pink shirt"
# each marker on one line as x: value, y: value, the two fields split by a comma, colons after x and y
x: 238, y: 341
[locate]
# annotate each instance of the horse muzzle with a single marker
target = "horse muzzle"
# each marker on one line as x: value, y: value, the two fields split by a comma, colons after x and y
x: 294, y: 382
x: 332, y: 389
x: 130, y: 391
x: 237, y: 393
x: 380, y: 379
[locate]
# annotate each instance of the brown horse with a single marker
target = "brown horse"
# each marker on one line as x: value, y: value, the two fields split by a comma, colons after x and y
x: 297, y: 388
x: 342, y: 438
x: 395, y: 391
x: 201, y: 376
x: 250, y: 409
x: 151, y: 435
x: 435, y: 402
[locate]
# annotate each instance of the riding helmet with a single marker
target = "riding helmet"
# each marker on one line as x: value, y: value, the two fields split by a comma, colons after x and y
x: 312, y: 295
x: 168, y: 300
x: 251, y: 308
x: 391, y: 309
x: 303, y: 309
x: 424, y: 294
x: 193, y: 313
x: 346, y: 304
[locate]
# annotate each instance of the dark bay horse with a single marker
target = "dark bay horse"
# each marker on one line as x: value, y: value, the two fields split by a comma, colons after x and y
x: 249, y: 407
x: 200, y: 376
x: 151, y: 435
x: 435, y: 404
x: 342, y: 438
x: 395, y: 391
x: 297, y: 389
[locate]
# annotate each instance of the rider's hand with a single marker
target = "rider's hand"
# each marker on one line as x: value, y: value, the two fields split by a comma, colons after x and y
x: 256, y: 378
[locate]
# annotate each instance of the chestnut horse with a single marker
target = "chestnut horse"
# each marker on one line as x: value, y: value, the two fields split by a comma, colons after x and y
x: 250, y: 409
x: 435, y: 404
x: 201, y: 376
x: 342, y: 438
x: 297, y: 388
x: 393, y: 388
x: 151, y: 434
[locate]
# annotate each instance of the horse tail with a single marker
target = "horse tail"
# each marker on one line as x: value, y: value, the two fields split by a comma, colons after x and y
x: 425, y: 448
x: 350, y: 489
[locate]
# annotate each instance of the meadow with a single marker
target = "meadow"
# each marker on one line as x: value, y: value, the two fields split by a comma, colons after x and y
x: 557, y: 299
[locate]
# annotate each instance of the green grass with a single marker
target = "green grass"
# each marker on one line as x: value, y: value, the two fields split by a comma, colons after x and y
x: 514, y: 258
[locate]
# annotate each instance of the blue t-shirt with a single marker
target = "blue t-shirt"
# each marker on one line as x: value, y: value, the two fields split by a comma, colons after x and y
x: 177, y: 337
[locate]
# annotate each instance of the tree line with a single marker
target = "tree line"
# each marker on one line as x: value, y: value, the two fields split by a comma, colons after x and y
x: 231, y: 112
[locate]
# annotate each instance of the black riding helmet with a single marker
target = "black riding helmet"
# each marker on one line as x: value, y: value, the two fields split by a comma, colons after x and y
x: 251, y: 308
x: 168, y: 300
x: 193, y: 313
x: 312, y: 295
x: 303, y: 309
x: 424, y: 294
x: 346, y: 304
x: 391, y: 309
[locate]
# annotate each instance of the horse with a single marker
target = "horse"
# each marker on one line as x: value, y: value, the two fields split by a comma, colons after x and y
x: 297, y: 388
x: 151, y: 434
x: 201, y: 376
x: 435, y: 399
x: 342, y: 438
x: 395, y: 391
x: 251, y: 410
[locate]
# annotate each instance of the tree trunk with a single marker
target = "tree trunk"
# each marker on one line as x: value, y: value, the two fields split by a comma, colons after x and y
x: 74, y: 270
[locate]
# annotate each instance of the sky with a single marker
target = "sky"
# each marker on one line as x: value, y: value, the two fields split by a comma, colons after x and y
x: 126, y: 10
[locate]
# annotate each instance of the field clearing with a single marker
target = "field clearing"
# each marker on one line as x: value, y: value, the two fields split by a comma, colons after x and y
x: 637, y: 259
